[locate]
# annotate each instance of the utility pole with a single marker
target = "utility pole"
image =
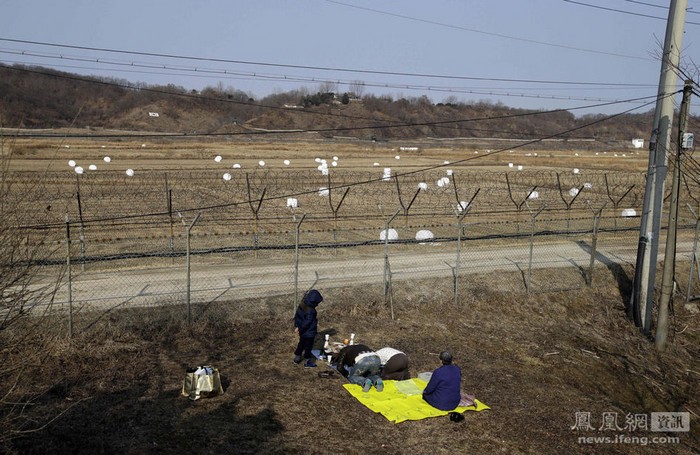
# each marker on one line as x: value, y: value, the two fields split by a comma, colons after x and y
x: 642, y: 299
x: 670, y: 254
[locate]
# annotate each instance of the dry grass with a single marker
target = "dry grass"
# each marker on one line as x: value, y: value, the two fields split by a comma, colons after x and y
x: 535, y: 360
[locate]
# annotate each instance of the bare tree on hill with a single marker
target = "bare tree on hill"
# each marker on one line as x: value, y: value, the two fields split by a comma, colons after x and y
x: 357, y: 89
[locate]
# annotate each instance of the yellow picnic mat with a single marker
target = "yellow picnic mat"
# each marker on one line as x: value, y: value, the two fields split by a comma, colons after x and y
x: 403, y: 400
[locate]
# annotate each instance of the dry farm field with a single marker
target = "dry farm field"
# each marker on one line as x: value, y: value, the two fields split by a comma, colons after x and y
x: 243, y: 188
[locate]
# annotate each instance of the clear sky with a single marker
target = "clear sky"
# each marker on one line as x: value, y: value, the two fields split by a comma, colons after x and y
x: 539, y: 54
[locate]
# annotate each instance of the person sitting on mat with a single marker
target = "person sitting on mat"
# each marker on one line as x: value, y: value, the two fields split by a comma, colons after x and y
x: 444, y: 388
x: 360, y: 365
x: 394, y: 364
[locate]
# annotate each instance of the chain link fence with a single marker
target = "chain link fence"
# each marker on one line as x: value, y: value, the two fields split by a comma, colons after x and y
x: 193, y: 238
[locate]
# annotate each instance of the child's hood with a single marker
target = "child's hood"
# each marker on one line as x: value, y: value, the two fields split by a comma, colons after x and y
x: 313, y: 298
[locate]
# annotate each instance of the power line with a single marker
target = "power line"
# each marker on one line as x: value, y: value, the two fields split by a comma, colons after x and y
x: 692, y: 163
x: 286, y: 78
x: 306, y: 67
x: 498, y: 35
x: 625, y: 12
x: 445, y: 90
x: 296, y: 77
x: 688, y: 11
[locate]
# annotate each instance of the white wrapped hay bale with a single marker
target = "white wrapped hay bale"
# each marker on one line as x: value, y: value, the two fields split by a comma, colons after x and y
x: 393, y: 235
x: 424, y: 235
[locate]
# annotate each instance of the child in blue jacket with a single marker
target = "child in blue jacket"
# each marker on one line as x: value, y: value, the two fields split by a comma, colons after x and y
x: 306, y: 326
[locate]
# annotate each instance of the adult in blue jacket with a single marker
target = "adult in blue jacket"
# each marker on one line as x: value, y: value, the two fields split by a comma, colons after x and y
x: 444, y: 388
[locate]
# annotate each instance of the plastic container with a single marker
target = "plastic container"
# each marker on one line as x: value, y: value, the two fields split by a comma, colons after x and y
x: 425, y: 376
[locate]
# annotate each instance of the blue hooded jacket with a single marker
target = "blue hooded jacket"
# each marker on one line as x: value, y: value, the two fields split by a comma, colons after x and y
x: 305, y: 318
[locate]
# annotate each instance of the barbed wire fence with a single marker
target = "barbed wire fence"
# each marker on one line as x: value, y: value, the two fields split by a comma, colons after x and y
x: 199, y: 240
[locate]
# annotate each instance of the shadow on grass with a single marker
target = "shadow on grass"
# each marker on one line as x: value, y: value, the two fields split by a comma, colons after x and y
x: 624, y: 283
x: 130, y: 421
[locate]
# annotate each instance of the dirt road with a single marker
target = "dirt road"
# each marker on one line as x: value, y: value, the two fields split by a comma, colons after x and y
x: 250, y: 279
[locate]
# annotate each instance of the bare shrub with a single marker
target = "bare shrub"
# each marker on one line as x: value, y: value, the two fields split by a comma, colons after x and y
x: 29, y: 326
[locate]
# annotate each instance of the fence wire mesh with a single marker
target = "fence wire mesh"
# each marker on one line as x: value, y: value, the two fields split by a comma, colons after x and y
x: 273, y: 233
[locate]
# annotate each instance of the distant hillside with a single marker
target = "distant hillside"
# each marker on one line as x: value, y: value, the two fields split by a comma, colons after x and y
x: 34, y: 97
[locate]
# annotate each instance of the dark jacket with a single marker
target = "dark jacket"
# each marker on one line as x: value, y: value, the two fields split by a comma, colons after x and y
x: 305, y: 318
x: 346, y: 356
x: 306, y: 321
x: 444, y: 388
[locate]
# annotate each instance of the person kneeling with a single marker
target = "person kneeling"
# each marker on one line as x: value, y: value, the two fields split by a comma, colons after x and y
x: 444, y: 388
x: 361, y: 366
x: 394, y: 364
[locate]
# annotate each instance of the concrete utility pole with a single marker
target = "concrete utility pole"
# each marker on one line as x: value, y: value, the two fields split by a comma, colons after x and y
x: 670, y: 254
x: 642, y: 299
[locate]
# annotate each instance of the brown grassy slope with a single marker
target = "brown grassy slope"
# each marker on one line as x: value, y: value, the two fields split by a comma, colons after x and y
x: 35, y: 97
x: 535, y: 360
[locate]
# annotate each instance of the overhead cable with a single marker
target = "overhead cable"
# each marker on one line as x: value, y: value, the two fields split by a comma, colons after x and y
x: 280, y: 65
x: 498, y: 35
x: 625, y: 12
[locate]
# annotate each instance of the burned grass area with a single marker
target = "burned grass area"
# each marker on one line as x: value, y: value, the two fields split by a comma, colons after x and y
x: 538, y: 361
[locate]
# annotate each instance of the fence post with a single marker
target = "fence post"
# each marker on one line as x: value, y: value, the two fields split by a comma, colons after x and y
x: 82, y: 225
x: 169, y: 196
x: 694, y: 257
x: 616, y: 203
x: 335, y: 209
x: 568, y: 204
x: 70, y: 281
x: 594, y: 242
x: 405, y: 207
x: 460, y: 219
x: 172, y: 231
x: 170, y: 215
x: 532, y: 242
x: 189, y: 281
x: 455, y: 285
x: 296, y: 263
x: 387, y: 268
x: 518, y: 206
x: 256, y: 213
